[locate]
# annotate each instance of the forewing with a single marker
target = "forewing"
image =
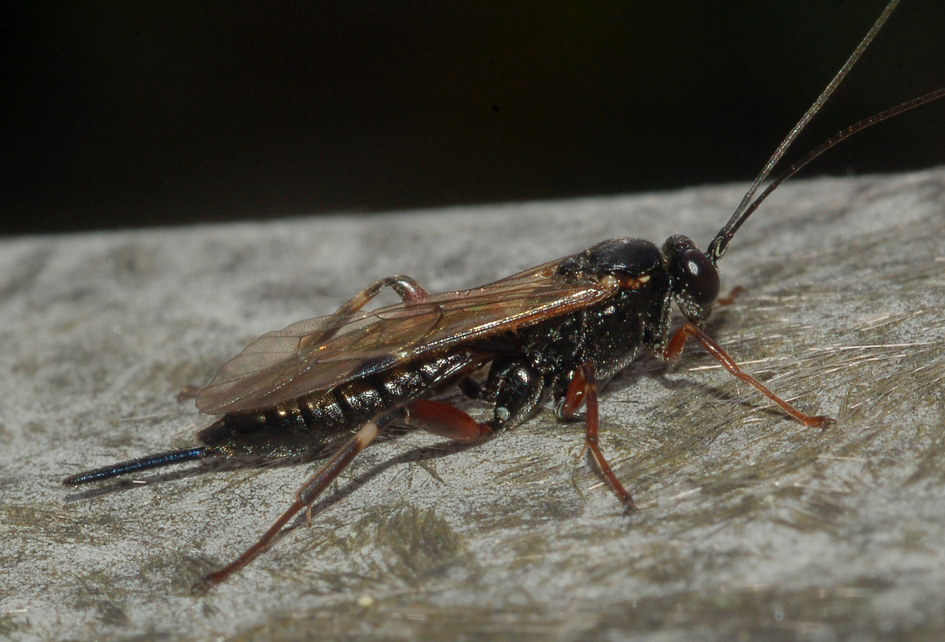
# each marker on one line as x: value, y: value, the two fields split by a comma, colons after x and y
x: 323, y: 352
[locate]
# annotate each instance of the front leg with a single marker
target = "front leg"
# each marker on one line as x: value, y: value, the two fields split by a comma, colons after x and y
x: 675, y: 346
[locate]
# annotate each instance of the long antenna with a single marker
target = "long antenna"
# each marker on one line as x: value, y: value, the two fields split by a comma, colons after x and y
x: 720, y: 243
x: 833, y: 141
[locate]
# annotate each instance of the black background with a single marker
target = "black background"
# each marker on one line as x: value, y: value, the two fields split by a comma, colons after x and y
x: 132, y: 114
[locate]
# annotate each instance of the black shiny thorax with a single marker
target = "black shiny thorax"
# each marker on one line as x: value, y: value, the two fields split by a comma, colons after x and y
x: 610, y: 333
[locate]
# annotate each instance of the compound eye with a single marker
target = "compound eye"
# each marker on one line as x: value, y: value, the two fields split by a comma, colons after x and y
x: 699, y: 277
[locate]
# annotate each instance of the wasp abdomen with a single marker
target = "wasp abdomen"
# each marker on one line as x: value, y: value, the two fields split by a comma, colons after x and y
x: 307, y: 424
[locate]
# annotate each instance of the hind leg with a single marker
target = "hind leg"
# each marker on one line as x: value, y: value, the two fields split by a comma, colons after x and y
x: 303, y: 498
x: 406, y: 288
x: 434, y: 417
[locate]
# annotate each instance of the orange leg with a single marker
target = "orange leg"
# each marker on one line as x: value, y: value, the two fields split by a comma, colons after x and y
x: 434, y: 417
x: 303, y: 498
x: 583, y: 388
x: 406, y: 288
x: 443, y: 420
x: 675, y: 346
x: 729, y: 298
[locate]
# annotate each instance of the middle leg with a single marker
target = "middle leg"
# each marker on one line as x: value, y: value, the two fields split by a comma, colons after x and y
x: 583, y: 388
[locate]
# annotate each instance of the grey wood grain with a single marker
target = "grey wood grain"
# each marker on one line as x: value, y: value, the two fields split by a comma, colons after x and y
x: 750, y: 523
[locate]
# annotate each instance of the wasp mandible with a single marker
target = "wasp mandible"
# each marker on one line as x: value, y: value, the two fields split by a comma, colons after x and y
x: 560, y: 330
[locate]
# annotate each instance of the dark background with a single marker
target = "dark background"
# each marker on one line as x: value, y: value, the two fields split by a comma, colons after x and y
x: 131, y: 114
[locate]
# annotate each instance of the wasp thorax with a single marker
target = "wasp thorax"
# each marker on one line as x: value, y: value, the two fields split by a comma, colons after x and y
x: 624, y: 257
x: 694, y: 280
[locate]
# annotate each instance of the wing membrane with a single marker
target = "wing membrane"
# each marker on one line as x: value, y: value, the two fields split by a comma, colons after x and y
x: 323, y: 352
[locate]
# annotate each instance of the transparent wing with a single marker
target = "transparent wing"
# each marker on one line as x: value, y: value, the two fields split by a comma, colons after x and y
x: 323, y: 352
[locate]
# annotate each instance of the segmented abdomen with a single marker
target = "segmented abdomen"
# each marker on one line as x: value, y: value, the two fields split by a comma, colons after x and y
x: 306, y: 425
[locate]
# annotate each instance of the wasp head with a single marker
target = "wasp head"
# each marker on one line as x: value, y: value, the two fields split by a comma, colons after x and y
x: 693, y: 279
